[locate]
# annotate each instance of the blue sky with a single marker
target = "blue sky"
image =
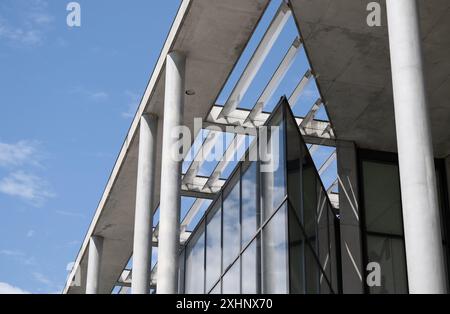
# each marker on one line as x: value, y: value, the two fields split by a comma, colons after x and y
x: 67, y: 99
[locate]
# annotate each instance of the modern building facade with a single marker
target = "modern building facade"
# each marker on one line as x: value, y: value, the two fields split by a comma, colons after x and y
x: 339, y: 187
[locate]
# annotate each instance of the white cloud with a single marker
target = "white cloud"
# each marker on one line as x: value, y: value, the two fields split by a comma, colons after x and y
x: 98, y: 96
x: 30, y: 24
x: 93, y: 95
x: 42, y: 279
x: 19, y: 153
x: 30, y: 233
x: 27, y: 187
x: 70, y: 214
x: 11, y: 253
x: 132, y: 105
x: 21, y: 257
x: 26, y: 37
x: 6, y: 288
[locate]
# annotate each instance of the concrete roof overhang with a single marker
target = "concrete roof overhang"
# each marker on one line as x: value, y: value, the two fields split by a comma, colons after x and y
x: 352, y: 64
x: 213, y: 35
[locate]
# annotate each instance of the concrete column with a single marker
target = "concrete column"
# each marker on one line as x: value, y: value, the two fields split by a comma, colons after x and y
x: 94, y: 262
x: 169, y: 225
x: 424, y: 253
x: 353, y: 269
x: 143, y: 221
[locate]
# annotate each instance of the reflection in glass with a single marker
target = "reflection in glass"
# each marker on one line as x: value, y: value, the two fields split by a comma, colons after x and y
x: 382, y: 198
x: 195, y: 263
x: 213, y: 246
x: 216, y: 289
x: 231, y: 225
x: 296, y: 255
x: 310, y: 201
x: 275, y: 250
x: 390, y: 254
x: 273, y: 178
x: 250, y: 216
x: 250, y: 268
x: 231, y: 280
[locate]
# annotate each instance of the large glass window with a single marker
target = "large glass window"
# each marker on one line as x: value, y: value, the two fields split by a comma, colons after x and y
x: 272, y: 165
x: 231, y: 280
x: 383, y: 219
x: 231, y: 222
x: 194, y: 282
x: 383, y: 225
x: 256, y: 239
x: 382, y: 198
x: 251, y: 272
x: 275, y: 254
x: 250, y: 206
x: 213, y: 245
x: 389, y: 252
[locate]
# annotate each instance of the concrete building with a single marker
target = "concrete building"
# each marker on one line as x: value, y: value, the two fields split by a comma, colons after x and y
x: 192, y: 225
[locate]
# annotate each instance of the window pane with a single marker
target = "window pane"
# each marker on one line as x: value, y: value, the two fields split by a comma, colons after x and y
x: 294, y: 161
x: 323, y: 250
x: 250, y: 216
x: 297, y: 255
x: 231, y: 280
x: 213, y: 246
x: 272, y: 167
x: 216, y: 289
x: 231, y: 224
x: 310, y: 188
x: 251, y: 268
x: 333, y: 254
x: 382, y: 198
x: 390, y: 254
x: 195, y: 263
x: 275, y: 254
x: 312, y: 272
x: 181, y: 271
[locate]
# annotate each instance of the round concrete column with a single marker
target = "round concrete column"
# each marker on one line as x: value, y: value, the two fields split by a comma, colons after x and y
x: 424, y: 253
x: 94, y: 262
x: 142, y: 245
x: 169, y: 225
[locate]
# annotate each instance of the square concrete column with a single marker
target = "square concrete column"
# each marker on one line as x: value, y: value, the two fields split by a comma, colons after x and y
x: 145, y: 191
x: 94, y: 262
x: 424, y: 251
x: 353, y: 269
x: 169, y: 225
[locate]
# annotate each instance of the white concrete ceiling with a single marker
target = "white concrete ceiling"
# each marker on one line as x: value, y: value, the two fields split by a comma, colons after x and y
x: 352, y: 63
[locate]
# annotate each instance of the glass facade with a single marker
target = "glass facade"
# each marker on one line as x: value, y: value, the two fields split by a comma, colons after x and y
x: 271, y: 229
x: 382, y: 219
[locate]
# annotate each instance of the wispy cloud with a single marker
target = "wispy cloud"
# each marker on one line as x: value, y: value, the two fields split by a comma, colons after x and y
x: 30, y: 233
x: 6, y: 288
x: 20, y: 256
x: 98, y: 96
x: 70, y: 214
x: 93, y: 95
x: 42, y: 278
x: 131, y: 105
x: 28, y: 26
x: 20, y: 153
x: 26, y: 186
x: 21, y: 159
x: 11, y: 253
